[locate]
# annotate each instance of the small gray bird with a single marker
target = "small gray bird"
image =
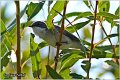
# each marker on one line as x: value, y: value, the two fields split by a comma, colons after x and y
x: 68, y: 40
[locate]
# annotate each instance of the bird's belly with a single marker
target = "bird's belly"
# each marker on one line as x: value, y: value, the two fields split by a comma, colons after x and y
x: 65, y: 43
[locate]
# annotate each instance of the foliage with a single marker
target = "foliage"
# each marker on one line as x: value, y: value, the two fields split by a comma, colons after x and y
x: 32, y: 63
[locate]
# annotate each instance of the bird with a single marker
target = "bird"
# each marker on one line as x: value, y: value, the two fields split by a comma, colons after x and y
x: 68, y: 40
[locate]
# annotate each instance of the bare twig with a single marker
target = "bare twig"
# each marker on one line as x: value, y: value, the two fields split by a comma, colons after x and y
x: 93, y: 32
x: 60, y: 37
x: 116, y: 60
x: 48, y: 61
x: 18, y: 39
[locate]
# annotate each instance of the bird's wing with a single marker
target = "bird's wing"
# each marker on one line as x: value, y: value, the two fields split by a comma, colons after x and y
x: 68, y: 34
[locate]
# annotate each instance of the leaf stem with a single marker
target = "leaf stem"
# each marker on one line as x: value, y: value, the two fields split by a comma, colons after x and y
x: 18, y: 38
x: 92, y: 45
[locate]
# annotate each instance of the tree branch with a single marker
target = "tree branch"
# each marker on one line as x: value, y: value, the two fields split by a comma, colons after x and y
x: 18, y: 38
x: 92, y: 44
x: 60, y: 37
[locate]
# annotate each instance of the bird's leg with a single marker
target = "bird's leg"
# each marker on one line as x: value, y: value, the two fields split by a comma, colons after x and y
x: 58, y: 44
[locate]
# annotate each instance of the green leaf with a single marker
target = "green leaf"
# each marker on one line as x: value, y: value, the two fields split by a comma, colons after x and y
x: 84, y: 14
x: 86, y: 65
x: 58, y: 7
x: 96, y: 54
x: 13, y: 23
x: 4, y: 49
x: 117, y: 12
x: 102, y: 54
x: 112, y: 35
x: 111, y: 21
x: 35, y: 57
x: 5, y: 60
x: 87, y: 3
x: 3, y: 27
x: 65, y: 74
x: 7, y: 42
x: 106, y: 47
x: 87, y: 33
x: 108, y: 15
x: 53, y: 73
x: 78, y: 15
x: 104, y: 6
x: 33, y: 45
x: 113, y: 64
x: 77, y: 26
x: 70, y: 61
x: 42, y: 44
x: 50, y: 2
x: 33, y: 9
x: 76, y: 76
x: 36, y: 71
x: 72, y: 53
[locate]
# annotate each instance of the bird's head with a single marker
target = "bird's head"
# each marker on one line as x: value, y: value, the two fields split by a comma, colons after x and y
x: 39, y: 28
x: 38, y: 24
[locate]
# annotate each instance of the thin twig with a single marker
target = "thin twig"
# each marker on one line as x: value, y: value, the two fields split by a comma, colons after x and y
x: 18, y: 38
x: 93, y: 32
x: 116, y: 60
x: 48, y: 60
x: 49, y: 46
x: 60, y: 37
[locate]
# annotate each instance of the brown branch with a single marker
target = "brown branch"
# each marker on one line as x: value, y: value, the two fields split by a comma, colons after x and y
x: 18, y: 38
x: 93, y: 32
x: 60, y: 37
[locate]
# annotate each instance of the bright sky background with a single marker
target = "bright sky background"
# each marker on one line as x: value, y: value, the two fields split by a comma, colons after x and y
x: 72, y: 6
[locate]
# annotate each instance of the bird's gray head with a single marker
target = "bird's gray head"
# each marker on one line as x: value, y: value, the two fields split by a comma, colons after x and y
x: 39, y: 24
x: 39, y: 28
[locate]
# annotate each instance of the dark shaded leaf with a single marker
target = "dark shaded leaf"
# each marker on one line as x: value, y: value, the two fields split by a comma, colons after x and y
x: 77, y: 26
x: 86, y: 65
x: 112, y: 35
x: 113, y: 64
x: 102, y: 54
x: 3, y: 49
x: 106, y: 47
x: 3, y: 27
x: 76, y: 76
x: 53, y: 73
x: 5, y: 60
x: 33, y: 9
x: 42, y: 44
x: 87, y: 3
x: 50, y: 2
